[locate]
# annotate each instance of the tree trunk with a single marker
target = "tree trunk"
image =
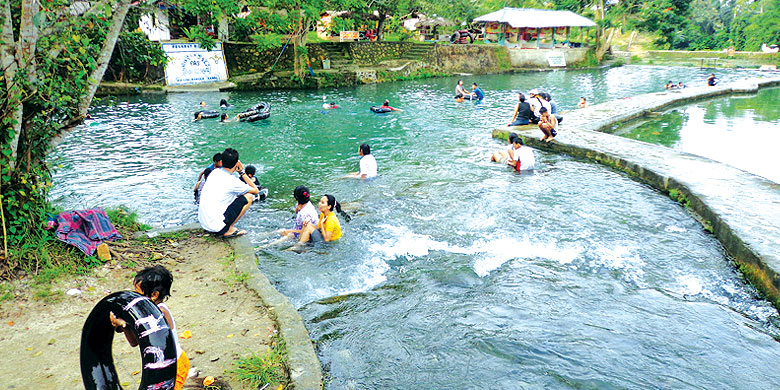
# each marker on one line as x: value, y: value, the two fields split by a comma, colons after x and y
x: 604, y: 46
x: 380, y: 27
x: 299, y: 51
x: 103, y: 59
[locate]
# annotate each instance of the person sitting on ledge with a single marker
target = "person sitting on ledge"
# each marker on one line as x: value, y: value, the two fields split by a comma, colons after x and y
x: 547, y: 124
x: 522, y: 115
x: 225, y: 198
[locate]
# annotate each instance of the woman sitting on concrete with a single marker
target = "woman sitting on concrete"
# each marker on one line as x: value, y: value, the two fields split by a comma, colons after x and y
x: 522, y: 115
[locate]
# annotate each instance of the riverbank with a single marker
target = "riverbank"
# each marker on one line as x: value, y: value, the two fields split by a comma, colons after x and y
x: 739, y: 208
x: 214, y: 298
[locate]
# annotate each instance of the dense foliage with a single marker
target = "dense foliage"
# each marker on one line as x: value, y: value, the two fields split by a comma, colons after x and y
x: 52, y: 56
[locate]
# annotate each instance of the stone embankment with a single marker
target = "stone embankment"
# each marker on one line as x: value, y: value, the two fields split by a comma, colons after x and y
x: 741, y: 209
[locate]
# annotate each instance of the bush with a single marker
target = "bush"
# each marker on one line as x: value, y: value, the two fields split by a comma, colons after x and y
x: 134, y: 56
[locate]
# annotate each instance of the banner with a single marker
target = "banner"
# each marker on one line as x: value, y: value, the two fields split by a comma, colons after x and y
x: 188, y: 63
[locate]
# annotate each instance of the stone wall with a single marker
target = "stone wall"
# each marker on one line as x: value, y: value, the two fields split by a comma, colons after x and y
x: 537, y: 58
x: 243, y: 58
x: 472, y: 58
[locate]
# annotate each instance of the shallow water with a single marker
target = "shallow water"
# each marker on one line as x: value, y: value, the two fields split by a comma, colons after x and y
x: 741, y: 130
x: 454, y: 272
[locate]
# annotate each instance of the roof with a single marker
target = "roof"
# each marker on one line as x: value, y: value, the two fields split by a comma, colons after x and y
x: 536, y: 18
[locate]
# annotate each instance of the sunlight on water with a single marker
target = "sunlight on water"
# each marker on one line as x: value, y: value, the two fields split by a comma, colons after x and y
x: 454, y: 272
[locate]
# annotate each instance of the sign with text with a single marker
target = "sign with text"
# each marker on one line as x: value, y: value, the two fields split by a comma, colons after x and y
x: 188, y: 64
x: 349, y: 36
x: 556, y: 58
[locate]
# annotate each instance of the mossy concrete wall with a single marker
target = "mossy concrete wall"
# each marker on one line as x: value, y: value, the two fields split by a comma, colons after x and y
x: 739, y: 208
x: 537, y: 58
x: 368, y: 62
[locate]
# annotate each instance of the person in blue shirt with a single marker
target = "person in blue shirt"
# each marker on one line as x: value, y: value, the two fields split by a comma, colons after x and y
x: 478, y: 94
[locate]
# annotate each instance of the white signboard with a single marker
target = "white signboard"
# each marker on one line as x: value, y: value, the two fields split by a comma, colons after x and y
x: 556, y: 58
x: 189, y: 64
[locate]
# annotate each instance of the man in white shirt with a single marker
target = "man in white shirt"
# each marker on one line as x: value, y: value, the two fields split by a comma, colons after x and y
x: 225, y: 198
x: 368, y: 166
x: 521, y: 157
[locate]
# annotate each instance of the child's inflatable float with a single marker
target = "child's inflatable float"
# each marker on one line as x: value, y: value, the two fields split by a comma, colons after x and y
x: 155, y: 341
x: 380, y: 110
x: 260, y: 111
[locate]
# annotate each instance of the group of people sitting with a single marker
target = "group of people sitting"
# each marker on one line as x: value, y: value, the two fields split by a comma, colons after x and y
x: 541, y: 110
x: 224, y: 198
x: 461, y: 93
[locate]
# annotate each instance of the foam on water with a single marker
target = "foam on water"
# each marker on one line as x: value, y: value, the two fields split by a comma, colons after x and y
x: 620, y: 258
x: 494, y: 253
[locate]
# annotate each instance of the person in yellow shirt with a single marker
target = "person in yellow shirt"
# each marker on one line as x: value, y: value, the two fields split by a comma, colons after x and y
x: 328, y: 227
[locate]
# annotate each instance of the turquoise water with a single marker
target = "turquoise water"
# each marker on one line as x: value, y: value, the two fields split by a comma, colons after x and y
x: 454, y: 272
x: 742, y: 131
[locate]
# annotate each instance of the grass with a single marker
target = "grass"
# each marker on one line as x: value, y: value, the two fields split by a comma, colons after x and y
x: 47, y: 260
x: 269, y: 368
x: 234, y: 277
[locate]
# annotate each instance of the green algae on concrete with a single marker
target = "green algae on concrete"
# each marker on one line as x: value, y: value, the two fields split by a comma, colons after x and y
x: 742, y: 210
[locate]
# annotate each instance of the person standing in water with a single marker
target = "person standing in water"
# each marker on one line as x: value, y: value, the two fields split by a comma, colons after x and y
x: 368, y: 168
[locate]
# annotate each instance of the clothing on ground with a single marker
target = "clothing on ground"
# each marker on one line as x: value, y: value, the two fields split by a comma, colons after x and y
x: 220, y: 190
x: 85, y: 229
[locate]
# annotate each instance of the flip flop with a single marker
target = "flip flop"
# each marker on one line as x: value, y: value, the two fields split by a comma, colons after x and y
x: 235, y: 234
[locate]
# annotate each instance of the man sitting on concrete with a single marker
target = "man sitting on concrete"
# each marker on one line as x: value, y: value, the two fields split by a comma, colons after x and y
x: 224, y: 198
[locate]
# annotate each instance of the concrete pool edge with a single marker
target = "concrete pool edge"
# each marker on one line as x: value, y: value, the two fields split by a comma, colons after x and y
x: 742, y: 210
x: 305, y: 367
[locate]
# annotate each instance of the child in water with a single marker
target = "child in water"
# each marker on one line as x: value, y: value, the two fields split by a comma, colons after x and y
x: 155, y: 283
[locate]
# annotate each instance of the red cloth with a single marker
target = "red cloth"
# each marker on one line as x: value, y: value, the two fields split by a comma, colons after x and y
x: 85, y: 229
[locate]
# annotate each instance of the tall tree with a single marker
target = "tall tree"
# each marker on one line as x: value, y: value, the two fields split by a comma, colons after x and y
x: 53, y: 55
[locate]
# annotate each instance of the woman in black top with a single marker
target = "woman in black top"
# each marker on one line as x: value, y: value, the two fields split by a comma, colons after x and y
x: 522, y: 113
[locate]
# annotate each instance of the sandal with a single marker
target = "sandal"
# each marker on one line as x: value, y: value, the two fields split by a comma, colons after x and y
x: 234, y: 234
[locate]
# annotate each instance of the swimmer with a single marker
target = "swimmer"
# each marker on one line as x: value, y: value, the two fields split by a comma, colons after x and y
x: 224, y: 104
x: 368, y: 166
x: 329, y: 106
x: 670, y: 85
x: 386, y: 105
x: 477, y: 94
x: 203, y: 104
x: 680, y: 85
x: 224, y: 118
x: 583, y: 103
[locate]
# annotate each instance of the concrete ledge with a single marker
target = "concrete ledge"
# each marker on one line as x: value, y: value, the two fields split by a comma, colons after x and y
x: 741, y: 209
x: 305, y: 368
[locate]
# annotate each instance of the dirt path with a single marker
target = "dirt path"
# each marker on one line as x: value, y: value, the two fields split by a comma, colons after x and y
x: 41, y: 340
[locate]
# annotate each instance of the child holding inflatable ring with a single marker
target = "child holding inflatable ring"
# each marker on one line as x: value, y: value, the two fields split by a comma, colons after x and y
x: 155, y: 283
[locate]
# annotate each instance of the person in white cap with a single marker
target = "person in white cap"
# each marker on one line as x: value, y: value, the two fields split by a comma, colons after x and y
x: 537, y: 103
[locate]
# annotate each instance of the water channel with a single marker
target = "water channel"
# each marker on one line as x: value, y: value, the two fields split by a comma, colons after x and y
x: 741, y: 131
x: 454, y: 272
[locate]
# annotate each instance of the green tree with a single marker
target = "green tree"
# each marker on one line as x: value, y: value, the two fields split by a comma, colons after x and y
x: 53, y: 55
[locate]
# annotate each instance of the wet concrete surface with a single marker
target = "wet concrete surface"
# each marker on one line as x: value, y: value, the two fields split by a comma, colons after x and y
x: 741, y: 209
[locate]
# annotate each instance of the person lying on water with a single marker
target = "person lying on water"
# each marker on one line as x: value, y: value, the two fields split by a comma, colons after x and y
x: 386, y: 105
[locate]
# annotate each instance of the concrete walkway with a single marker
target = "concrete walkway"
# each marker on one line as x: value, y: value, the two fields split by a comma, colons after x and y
x: 741, y: 209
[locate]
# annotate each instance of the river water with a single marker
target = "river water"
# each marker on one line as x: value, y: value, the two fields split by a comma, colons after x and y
x: 742, y: 131
x: 454, y: 272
